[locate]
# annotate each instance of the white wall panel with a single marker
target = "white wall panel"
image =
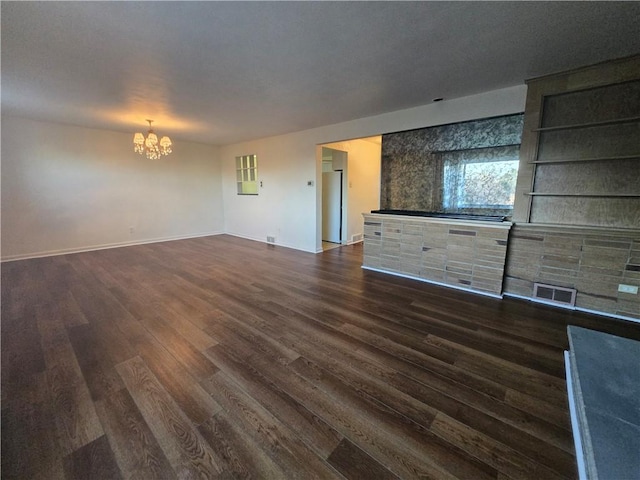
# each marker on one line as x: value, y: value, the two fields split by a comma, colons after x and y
x: 66, y: 188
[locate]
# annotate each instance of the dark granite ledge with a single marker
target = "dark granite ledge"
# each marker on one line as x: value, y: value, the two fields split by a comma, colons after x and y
x: 457, y: 216
x: 605, y: 372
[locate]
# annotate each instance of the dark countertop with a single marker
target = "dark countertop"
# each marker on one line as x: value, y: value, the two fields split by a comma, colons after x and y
x: 458, y: 216
x: 605, y: 371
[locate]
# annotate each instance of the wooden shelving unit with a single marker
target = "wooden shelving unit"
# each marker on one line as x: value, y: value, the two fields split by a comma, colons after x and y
x: 580, y: 150
x: 591, y: 173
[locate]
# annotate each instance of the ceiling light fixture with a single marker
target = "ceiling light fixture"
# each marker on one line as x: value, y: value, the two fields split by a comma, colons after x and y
x: 150, y: 145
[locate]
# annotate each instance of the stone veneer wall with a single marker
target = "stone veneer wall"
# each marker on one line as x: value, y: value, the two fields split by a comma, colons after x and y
x: 591, y: 261
x: 467, y: 255
x: 412, y: 161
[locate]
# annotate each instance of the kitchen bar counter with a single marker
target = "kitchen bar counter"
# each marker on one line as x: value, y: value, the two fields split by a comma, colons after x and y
x: 460, y: 253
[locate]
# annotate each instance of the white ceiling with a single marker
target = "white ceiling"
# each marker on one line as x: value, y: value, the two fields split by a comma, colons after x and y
x: 223, y: 72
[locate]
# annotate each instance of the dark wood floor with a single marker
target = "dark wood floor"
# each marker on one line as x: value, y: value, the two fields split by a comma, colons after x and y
x: 220, y: 357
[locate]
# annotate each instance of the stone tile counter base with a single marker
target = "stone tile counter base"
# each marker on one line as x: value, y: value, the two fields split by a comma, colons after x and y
x: 464, y: 254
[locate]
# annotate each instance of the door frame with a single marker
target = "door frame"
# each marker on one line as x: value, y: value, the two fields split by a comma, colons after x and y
x: 320, y: 153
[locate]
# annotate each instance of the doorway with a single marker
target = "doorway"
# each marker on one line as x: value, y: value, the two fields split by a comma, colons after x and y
x: 334, y: 165
x: 360, y: 160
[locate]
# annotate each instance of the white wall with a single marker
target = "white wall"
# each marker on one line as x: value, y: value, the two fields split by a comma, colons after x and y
x: 289, y: 209
x: 363, y: 181
x: 281, y: 209
x: 67, y: 188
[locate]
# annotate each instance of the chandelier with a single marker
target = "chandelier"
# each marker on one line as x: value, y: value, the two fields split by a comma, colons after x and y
x: 150, y: 145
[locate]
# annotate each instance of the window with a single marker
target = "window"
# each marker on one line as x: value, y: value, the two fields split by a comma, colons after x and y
x: 247, y: 174
x: 481, y: 180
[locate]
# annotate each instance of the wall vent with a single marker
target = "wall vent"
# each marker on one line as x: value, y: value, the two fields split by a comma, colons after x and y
x: 553, y: 294
x: 356, y: 238
x: 271, y: 239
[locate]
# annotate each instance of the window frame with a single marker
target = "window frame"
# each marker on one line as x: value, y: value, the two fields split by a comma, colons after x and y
x: 454, y: 201
x: 247, y: 174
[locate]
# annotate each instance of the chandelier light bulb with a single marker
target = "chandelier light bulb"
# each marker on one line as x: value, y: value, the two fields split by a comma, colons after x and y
x: 149, y: 146
x: 165, y: 145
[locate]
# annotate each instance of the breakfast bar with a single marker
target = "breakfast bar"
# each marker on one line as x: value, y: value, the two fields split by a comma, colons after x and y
x: 458, y: 251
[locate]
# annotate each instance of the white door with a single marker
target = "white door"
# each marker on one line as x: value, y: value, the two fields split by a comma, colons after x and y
x: 332, y: 207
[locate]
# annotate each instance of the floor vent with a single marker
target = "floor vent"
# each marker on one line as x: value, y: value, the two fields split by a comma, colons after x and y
x: 553, y: 294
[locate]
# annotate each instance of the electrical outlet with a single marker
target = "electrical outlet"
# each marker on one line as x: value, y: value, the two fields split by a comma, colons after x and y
x: 131, y: 230
x: 632, y: 289
x: 271, y: 239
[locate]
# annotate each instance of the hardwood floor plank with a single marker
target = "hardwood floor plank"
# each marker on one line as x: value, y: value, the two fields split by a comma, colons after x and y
x: 191, y: 359
x: 347, y: 420
x: 493, y: 417
x: 365, y: 384
x: 554, y: 412
x: 30, y: 447
x: 503, y: 458
x: 486, y: 339
x: 464, y: 327
x: 22, y: 355
x: 188, y: 330
x: 354, y: 464
x: 260, y: 341
x: 540, y: 439
x: 444, y: 458
x: 185, y: 449
x: 68, y: 310
x: 135, y: 449
x: 139, y: 302
x: 424, y: 363
x: 98, y: 368
x: 516, y: 322
x: 549, y: 386
x: 317, y: 348
x: 282, y: 444
x: 94, y: 460
x: 220, y: 357
x: 14, y: 294
x: 76, y: 419
x: 99, y: 305
x: 469, y: 329
x: 536, y: 384
x: 242, y: 457
x: 312, y: 430
x: 185, y: 390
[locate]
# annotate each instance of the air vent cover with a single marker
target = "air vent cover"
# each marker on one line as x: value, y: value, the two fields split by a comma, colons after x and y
x: 550, y: 293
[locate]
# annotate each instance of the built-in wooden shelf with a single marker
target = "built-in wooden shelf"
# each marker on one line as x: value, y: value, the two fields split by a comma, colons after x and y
x: 593, y: 159
x: 616, y: 121
x: 592, y: 195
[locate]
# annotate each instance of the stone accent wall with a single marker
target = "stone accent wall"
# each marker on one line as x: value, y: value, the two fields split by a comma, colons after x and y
x: 591, y: 261
x: 467, y: 255
x: 413, y: 161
